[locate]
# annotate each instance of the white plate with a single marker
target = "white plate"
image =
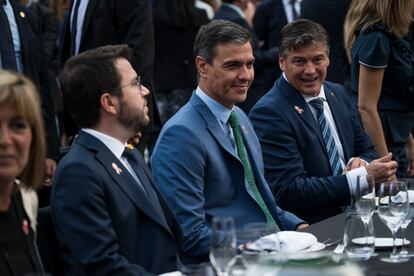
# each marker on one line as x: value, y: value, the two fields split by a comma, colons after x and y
x: 314, y: 247
x: 381, y: 242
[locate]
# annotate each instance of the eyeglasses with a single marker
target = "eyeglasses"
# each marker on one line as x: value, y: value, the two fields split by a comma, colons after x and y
x: 136, y: 82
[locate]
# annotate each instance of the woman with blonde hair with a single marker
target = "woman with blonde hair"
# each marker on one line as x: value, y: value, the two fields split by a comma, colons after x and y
x: 382, y: 72
x: 22, y: 166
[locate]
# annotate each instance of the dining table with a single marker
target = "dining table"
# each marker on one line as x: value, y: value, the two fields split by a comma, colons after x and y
x: 332, y: 229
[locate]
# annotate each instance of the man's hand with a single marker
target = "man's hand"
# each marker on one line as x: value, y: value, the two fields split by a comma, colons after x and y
x: 383, y: 169
x: 302, y: 226
x: 49, y: 172
x: 354, y: 164
x: 410, y: 156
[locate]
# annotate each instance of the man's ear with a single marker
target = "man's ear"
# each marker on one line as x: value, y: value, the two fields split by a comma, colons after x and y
x: 282, y: 64
x: 109, y: 103
x: 201, y: 66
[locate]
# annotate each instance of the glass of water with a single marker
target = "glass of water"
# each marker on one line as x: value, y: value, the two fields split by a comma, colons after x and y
x: 365, y: 197
x: 359, y: 238
x: 409, y: 217
x: 393, y: 208
x: 223, y: 244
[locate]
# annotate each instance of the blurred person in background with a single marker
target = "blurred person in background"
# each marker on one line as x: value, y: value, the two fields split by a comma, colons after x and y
x: 382, y: 73
x: 21, y: 50
x: 175, y: 75
x: 22, y: 164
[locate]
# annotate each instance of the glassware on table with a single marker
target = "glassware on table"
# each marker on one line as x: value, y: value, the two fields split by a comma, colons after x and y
x: 410, y: 215
x: 203, y: 269
x: 365, y: 197
x: 359, y: 238
x: 223, y: 244
x: 253, y: 246
x: 393, y: 208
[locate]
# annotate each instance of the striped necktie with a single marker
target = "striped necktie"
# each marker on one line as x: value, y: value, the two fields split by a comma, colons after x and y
x: 330, y: 145
x: 248, y: 174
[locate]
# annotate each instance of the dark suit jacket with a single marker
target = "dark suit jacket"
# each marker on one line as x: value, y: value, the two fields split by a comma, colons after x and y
x: 296, y: 163
x: 110, y: 22
x: 265, y: 60
x: 268, y: 21
x: 35, y: 68
x: 104, y: 222
x: 331, y: 15
x: 201, y: 175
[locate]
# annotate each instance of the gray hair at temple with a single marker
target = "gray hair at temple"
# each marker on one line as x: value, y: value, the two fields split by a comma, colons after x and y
x: 301, y: 33
x: 218, y: 32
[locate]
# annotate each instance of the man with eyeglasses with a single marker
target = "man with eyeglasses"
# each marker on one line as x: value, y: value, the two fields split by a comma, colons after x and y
x: 108, y: 214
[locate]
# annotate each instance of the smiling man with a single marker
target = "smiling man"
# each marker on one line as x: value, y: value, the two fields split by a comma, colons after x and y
x: 207, y: 160
x: 314, y: 146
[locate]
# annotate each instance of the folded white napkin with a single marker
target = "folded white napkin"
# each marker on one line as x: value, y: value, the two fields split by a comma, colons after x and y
x: 289, y: 241
x: 174, y: 273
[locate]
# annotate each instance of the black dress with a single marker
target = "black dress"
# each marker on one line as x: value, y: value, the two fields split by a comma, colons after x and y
x: 378, y: 48
x: 18, y: 254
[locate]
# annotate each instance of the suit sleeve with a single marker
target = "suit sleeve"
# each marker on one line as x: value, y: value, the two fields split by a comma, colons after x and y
x: 178, y: 163
x: 83, y: 224
x: 284, y: 170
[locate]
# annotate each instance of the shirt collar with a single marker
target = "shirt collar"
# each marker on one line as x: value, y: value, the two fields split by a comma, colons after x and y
x: 221, y: 112
x: 235, y: 8
x: 321, y: 95
x: 114, y: 145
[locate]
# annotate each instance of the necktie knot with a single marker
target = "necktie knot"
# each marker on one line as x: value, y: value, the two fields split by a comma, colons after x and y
x: 234, y: 122
x: 317, y: 104
x: 128, y: 154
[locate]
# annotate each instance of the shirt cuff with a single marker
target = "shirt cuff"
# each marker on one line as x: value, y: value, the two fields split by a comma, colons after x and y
x: 352, y: 177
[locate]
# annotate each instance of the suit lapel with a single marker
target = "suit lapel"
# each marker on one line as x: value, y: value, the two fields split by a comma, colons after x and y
x: 300, y: 107
x: 339, y: 118
x: 88, y: 15
x: 213, y: 125
x: 122, y: 178
x: 21, y: 16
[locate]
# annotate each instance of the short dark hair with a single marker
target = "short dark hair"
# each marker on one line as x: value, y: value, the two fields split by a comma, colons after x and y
x: 301, y: 33
x: 86, y: 76
x: 218, y: 32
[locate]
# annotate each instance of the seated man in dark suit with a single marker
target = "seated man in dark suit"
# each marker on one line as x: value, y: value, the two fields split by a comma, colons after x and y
x: 109, y: 217
x: 312, y: 172
x: 207, y: 159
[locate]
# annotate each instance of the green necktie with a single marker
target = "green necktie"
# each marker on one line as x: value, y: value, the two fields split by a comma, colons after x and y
x: 248, y: 174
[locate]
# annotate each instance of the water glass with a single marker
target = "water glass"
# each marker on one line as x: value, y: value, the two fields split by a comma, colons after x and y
x: 252, y: 245
x: 393, y: 208
x: 409, y: 217
x: 359, y: 238
x: 365, y: 197
x: 223, y: 244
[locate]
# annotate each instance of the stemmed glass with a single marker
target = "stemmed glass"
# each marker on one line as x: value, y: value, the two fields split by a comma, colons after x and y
x: 223, y: 244
x: 409, y: 217
x: 392, y: 209
x: 365, y: 197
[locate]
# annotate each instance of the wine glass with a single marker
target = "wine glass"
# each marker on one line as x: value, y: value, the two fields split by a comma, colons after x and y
x: 223, y: 244
x: 392, y: 209
x: 365, y: 197
x: 409, y: 217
